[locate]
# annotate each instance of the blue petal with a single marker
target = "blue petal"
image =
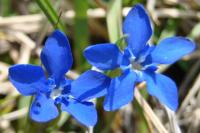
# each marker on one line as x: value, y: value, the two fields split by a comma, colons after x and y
x: 84, y: 112
x: 28, y: 79
x: 103, y: 56
x: 170, y: 50
x: 138, y: 28
x: 56, y: 55
x: 90, y: 84
x: 43, y: 109
x: 120, y: 91
x: 163, y: 88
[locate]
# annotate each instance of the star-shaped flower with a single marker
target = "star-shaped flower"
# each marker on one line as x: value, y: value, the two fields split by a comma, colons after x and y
x: 72, y: 96
x: 138, y: 62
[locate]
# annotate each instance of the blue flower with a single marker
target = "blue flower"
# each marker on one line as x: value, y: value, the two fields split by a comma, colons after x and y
x: 138, y: 62
x: 72, y: 96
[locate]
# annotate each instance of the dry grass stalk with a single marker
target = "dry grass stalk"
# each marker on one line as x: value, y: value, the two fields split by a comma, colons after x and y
x: 14, y: 115
x: 190, y: 95
x: 149, y: 112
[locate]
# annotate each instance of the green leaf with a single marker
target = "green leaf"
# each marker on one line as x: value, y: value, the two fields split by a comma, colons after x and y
x: 121, y: 43
x: 51, y: 14
x: 81, y: 33
x: 24, y: 122
x: 5, y: 8
x: 114, y: 20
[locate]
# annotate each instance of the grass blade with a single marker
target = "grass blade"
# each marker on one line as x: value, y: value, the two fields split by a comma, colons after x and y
x: 114, y: 20
x: 81, y: 34
x: 51, y: 14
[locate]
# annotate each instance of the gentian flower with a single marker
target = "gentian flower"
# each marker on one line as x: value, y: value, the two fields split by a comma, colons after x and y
x: 58, y: 91
x: 138, y: 62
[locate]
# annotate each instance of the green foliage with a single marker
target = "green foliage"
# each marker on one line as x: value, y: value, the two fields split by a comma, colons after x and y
x: 121, y: 43
x: 51, y: 14
x: 5, y: 7
x: 81, y: 33
x: 24, y: 102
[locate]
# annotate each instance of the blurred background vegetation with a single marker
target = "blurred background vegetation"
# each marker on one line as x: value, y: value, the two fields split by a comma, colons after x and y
x: 25, y: 24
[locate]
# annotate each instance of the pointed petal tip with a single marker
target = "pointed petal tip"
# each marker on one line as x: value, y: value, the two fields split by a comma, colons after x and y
x: 137, y: 26
x: 163, y: 88
x: 174, y: 107
x: 187, y: 41
x: 171, y: 49
x: 191, y: 43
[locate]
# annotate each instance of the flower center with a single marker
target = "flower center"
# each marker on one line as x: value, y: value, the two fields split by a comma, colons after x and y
x: 56, y: 92
x: 130, y: 61
x: 136, y: 66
